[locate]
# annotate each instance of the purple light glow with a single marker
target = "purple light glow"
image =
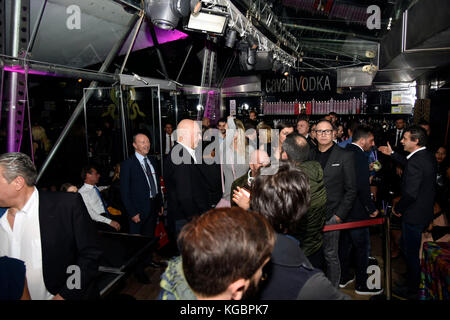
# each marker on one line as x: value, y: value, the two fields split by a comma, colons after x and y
x: 21, y: 70
x: 144, y: 39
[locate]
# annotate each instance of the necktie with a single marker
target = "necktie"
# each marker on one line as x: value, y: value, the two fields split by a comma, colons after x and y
x: 170, y: 144
x: 150, y: 178
x: 105, y: 207
x: 399, y: 137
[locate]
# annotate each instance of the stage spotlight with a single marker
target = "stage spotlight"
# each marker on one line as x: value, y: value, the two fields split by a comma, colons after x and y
x: 165, y: 14
x: 199, y: 107
x: 230, y: 39
x: 207, y: 18
x: 251, y: 57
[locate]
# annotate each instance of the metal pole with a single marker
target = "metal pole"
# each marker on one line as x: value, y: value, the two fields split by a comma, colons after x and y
x: 387, y: 258
x: 80, y: 105
x: 36, y: 27
x: 156, y: 44
x: 15, y: 31
x: 133, y: 40
x: 124, y: 125
x: 160, y: 133
x: 184, y: 62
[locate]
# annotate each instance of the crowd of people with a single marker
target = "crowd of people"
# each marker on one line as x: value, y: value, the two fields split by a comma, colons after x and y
x: 246, y: 205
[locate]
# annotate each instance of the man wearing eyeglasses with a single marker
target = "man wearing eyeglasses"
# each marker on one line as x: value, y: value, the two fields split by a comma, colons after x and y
x: 340, y: 184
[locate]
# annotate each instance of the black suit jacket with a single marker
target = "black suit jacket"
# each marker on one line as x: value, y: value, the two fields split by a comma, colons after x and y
x: 363, y: 205
x: 68, y: 237
x: 391, y: 136
x: 187, y: 188
x: 339, y: 176
x: 418, y: 188
x: 134, y: 187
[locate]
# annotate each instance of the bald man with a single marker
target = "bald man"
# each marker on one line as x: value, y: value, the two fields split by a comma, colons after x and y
x: 187, y: 194
x: 238, y: 197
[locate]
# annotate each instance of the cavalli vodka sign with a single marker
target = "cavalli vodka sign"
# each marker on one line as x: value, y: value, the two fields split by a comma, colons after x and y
x: 297, y: 84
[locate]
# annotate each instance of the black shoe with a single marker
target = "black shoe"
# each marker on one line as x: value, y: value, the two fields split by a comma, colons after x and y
x: 363, y: 290
x: 373, y: 261
x: 345, y: 282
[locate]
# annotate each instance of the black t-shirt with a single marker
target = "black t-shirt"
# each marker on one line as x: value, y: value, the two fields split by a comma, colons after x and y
x: 322, y: 157
x: 12, y: 278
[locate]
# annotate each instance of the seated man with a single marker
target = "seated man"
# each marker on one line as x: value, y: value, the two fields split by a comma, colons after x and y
x: 222, y: 255
x: 284, y: 198
x: 94, y: 202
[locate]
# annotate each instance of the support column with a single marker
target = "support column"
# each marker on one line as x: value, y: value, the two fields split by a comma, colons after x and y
x: 20, y: 16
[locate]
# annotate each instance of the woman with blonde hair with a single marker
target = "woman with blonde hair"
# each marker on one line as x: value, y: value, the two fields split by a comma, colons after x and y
x: 233, y: 160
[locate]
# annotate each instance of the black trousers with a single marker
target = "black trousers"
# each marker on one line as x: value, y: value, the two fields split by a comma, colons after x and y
x: 147, y: 225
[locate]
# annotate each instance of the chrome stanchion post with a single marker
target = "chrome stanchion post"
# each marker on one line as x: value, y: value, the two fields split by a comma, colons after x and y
x: 387, y: 258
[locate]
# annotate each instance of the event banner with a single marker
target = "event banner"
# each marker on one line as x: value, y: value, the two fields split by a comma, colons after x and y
x: 299, y: 84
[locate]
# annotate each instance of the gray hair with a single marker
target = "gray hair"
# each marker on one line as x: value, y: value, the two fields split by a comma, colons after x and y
x: 17, y: 164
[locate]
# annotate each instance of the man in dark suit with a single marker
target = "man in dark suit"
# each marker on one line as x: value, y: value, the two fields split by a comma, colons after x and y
x: 340, y: 184
x: 51, y: 232
x: 140, y: 190
x: 362, y: 209
x: 168, y: 139
x: 416, y: 203
x: 187, y: 192
x: 395, y: 136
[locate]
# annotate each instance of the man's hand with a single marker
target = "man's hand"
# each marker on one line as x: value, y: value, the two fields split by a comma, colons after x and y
x: 399, y: 171
x: 371, y: 166
x: 387, y: 150
x: 338, y: 220
x: 136, y: 218
x: 395, y: 213
x: 58, y: 297
x: 241, y: 199
x: 115, y: 225
x: 161, y: 212
x: 374, y: 214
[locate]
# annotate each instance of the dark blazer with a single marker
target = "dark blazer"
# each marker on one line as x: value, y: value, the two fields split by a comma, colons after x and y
x: 134, y: 187
x: 363, y: 205
x: 68, y: 237
x: 187, y: 188
x: 418, y: 188
x: 339, y: 176
x: 391, y: 136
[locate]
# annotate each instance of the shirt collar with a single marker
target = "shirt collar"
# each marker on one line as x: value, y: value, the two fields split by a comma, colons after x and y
x: 27, y: 207
x: 88, y: 186
x: 412, y: 153
x: 358, y: 146
x: 190, y: 150
x: 140, y: 157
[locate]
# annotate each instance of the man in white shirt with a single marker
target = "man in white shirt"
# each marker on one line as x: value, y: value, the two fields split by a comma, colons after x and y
x: 51, y: 232
x: 93, y: 200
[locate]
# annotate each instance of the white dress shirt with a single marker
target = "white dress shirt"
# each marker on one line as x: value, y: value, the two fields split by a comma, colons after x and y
x: 23, y: 242
x: 167, y: 147
x: 141, y: 159
x: 93, y: 203
x: 411, y: 154
x: 398, y: 136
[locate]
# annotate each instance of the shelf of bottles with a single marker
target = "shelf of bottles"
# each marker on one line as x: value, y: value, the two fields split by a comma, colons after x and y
x: 350, y: 106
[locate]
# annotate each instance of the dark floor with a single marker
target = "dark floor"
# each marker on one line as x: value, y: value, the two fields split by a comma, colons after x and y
x: 150, y: 291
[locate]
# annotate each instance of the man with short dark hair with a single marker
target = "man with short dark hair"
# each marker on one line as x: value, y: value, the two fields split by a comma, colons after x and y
x: 253, y: 118
x: 310, y: 230
x: 50, y: 231
x: 94, y: 201
x: 340, y: 184
x: 223, y: 253
x: 416, y: 203
x: 363, y: 209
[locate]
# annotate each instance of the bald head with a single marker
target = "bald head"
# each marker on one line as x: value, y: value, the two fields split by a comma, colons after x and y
x: 258, y: 159
x: 188, y: 133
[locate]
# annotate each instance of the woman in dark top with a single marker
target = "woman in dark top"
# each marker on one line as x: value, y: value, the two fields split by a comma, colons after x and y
x: 13, y: 284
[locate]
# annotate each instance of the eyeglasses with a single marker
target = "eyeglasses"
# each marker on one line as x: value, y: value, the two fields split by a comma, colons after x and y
x: 322, y: 132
